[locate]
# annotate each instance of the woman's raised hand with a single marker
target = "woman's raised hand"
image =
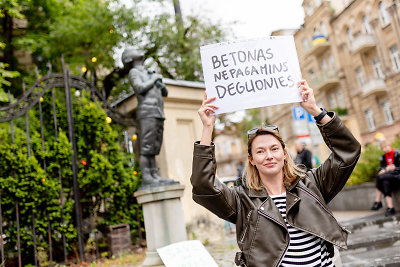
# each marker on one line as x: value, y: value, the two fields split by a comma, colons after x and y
x: 307, y: 94
x: 206, y: 111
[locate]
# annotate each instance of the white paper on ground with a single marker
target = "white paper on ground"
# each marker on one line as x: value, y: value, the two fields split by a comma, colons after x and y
x: 186, y: 254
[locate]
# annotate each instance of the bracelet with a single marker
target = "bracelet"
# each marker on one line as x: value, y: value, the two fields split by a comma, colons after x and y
x: 319, y: 117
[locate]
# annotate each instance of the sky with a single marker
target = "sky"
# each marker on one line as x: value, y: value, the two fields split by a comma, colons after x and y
x: 255, y: 18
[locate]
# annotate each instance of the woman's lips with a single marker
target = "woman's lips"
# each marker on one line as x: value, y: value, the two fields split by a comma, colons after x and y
x: 271, y: 164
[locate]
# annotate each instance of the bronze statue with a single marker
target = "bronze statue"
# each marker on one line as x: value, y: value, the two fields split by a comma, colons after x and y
x: 149, y: 90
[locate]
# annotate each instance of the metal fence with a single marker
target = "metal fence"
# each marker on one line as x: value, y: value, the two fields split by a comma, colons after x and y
x: 19, y: 108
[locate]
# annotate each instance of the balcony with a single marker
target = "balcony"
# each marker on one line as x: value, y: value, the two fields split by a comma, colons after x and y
x: 374, y: 86
x: 325, y: 81
x: 362, y: 43
x: 320, y: 44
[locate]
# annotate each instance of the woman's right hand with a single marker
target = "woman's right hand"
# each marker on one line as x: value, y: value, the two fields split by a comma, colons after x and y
x: 206, y: 112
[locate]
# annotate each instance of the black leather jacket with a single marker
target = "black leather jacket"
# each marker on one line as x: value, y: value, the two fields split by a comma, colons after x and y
x: 261, y: 232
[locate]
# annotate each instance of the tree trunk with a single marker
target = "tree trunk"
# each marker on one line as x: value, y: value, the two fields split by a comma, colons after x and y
x: 8, y: 34
x: 178, y: 14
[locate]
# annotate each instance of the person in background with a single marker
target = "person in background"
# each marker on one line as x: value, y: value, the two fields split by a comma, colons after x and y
x: 304, y: 156
x: 315, y: 161
x: 388, y: 178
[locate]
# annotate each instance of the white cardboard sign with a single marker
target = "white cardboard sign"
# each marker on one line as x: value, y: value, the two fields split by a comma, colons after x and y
x: 251, y: 74
x: 186, y: 254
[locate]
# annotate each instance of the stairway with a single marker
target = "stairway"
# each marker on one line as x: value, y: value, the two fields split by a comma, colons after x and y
x: 374, y: 241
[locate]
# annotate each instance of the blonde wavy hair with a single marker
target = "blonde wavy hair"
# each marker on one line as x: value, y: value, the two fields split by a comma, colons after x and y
x: 291, y: 171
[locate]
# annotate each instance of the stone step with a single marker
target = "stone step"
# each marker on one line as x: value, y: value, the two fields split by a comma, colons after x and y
x: 368, y: 221
x: 373, y: 238
x: 383, y: 257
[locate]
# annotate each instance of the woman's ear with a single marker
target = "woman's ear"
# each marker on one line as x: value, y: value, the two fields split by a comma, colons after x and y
x: 250, y: 160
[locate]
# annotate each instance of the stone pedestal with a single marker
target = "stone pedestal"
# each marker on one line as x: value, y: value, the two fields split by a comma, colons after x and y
x: 163, y: 219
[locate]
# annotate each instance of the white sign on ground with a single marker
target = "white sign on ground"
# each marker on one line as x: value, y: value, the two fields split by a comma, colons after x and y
x: 251, y: 74
x: 186, y: 254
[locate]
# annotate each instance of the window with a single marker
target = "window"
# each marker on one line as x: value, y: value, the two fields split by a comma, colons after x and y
x: 322, y: 27
x: 350, y: 37
x: 332, y: 63
x: 369, y: 115
x: 228, y: 170
x: 306, y: 46
x: 234, y: 148
x: 360, y: 76
x: 340, y: 98
x: 332, y: 101
x: 226, y: 148
x: 239, y: 146
x: 395, y: 57
x: 312, y: 75
x: 383, y: 14
x: 316, y: 31
x: 387, y: 111
x: 366, y: 26
x: 324, y: 67
x: 309, y: 10
x: 376, y: 65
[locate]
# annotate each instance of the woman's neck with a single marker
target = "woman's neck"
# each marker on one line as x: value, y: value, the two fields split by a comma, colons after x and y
x: 274, y: 184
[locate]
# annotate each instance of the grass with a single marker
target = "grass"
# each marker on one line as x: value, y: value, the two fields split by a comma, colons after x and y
x: 129, y: 259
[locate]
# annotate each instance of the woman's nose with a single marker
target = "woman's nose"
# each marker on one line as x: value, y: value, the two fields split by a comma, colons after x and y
x: 268, y: 154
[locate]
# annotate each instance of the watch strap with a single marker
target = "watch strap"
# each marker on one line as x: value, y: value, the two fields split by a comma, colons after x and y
x: 319, y: 117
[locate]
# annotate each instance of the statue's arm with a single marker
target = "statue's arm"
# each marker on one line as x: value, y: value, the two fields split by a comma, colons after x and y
x: 140, y: 87
x: 164, y: 91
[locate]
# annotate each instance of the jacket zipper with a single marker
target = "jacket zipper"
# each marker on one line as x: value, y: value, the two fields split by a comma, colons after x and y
x: 245, y: 229
x: 316, y: 199
x: 278, y: 222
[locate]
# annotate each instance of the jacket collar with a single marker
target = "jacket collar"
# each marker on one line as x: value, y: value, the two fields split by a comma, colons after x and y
x: 263, y: 192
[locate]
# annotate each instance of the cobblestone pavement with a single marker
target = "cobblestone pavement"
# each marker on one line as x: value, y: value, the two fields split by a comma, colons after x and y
x: 224, y: 252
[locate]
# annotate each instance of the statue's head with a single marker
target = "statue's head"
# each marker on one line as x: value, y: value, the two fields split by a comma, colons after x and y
x: 130, y: 55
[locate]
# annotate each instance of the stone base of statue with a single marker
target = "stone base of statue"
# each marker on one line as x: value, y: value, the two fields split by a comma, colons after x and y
x: 163, y: 219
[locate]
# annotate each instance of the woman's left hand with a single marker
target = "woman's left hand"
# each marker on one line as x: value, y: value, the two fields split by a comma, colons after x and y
x: 307, y: 94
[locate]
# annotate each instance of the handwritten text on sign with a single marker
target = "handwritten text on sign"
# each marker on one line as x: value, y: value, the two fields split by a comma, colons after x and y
x: 252, y: 73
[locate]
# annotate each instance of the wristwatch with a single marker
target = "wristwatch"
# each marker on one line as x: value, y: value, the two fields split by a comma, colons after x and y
x: 319, y: 117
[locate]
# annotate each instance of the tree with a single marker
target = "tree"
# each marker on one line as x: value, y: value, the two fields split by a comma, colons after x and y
x: 89, y: 43
x: 8, y: 10
x: 86, y: 32
x: 177, y: 53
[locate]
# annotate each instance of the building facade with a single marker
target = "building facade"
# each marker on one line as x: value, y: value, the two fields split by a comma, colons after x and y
x: 231, y: 155
x: 349, y: 53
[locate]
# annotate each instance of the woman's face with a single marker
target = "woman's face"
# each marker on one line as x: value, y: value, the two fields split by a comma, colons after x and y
x: 268, y: 155
x: 386, y: 147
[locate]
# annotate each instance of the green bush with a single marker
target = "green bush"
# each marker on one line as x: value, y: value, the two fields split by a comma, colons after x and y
x: 340, y: 111
x: 367, y: 166
x: 106, y: 182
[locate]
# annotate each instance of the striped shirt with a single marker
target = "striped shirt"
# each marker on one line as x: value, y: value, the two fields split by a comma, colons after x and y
x: 304, y: 249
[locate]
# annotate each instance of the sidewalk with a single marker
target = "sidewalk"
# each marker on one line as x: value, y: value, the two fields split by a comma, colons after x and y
x: 224, y: 251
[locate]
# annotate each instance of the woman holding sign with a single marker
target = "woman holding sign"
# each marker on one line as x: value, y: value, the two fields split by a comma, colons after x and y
x: 280, y: 210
